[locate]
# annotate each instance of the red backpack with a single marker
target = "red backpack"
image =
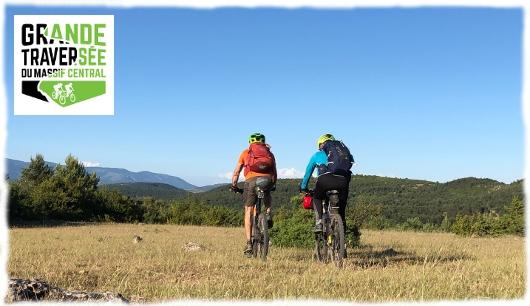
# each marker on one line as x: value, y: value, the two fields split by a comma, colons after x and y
x: 259, y: 159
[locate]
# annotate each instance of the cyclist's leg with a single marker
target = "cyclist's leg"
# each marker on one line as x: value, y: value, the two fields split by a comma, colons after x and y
x: 343, y: 201
x: 324, y: 183
x: 249, y: 213
x: 267, y: 202
x: 249, y: 197
x: 343, y: 188
x: 317, y: 205
x: 328, y: 182
x: 319, y: 194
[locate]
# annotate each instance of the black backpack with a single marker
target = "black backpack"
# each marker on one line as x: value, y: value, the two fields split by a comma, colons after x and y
x: 340, y: 160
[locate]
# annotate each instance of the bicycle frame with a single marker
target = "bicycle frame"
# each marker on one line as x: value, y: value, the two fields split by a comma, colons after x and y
x: 325, y: 241
x: 259, y: 232
x: 331, y: 204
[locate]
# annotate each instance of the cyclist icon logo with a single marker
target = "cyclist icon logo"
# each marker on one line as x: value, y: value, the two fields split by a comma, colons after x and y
x: 62, y: 94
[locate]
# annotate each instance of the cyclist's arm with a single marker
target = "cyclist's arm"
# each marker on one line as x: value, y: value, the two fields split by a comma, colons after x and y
x: 237, y: 171
x: 308, y: 172
x: 239, y: 167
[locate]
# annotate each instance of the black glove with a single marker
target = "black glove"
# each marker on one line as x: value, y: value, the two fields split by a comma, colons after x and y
x: 273, y: 188
x: 236, y: 189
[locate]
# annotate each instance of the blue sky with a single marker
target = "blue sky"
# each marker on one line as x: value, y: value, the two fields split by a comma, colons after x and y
x: 427, y: 93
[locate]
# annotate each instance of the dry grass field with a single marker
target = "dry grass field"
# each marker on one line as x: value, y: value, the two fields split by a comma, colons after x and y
x: 391, y: 266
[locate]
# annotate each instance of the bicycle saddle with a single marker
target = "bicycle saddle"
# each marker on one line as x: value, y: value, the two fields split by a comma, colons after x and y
x: 332, y: 192
x: 264, y: 182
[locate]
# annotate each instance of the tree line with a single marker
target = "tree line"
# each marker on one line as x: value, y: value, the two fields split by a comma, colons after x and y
x: 68, y: 192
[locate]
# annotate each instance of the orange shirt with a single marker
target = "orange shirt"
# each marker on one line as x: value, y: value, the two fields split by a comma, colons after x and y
x: 251, y: 174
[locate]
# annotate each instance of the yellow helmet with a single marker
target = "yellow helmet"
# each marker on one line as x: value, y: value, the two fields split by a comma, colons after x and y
x: 324, y: 138
x: 256, y: 138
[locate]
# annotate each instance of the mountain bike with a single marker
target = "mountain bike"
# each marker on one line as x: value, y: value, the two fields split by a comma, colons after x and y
x: 259, y: 226
x: 330, y: 243
x: 62, y: 95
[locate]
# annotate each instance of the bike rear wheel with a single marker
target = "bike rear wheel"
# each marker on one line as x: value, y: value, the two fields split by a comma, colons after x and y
x: 336, y: 241
x: 321, y: 248
x: 263, y: 246
x: 256, y: 237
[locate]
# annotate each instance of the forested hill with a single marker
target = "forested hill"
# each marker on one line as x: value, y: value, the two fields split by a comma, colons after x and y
x: 154, y: 190
x: 401, y: 199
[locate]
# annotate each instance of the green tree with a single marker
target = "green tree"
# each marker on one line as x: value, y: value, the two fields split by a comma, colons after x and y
x: 514, y: 217
x: 155, y: 211
x: 359, y: 214
x: 445, y: 226
x: 17, y: 203
x: 113, y: 206
x: 49, y: 200
x: 35, y: 173
x: 74, y: 189
x: 26, y: 193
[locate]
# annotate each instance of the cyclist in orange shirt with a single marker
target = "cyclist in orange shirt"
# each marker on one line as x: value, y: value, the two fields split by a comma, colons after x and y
x: 257, y: 161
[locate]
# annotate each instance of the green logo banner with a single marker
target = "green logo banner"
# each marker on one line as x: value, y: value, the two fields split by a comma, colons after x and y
x: 68, y: 92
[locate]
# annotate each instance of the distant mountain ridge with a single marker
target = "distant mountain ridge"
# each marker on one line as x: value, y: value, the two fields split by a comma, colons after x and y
x: 112, y: 175
x: 120, y: 175
x: 209, y: 187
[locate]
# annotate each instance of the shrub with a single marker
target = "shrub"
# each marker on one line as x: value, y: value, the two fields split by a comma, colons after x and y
x: 293, y: 228
x: 358, y: 214
x: 379, y: 223
x: 492, y: 224
x: 413, y: 223
x: 196, y: 213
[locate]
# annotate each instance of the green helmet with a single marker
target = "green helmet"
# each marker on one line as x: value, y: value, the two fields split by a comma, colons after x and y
x: 324, y: 138
x: 256, y: 138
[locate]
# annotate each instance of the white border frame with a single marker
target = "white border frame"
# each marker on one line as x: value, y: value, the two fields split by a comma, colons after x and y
x: 210, y: 4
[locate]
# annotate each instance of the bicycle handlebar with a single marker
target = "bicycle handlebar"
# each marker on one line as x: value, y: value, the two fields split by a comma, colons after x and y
x: 236, y: 189
x: 240, y: 191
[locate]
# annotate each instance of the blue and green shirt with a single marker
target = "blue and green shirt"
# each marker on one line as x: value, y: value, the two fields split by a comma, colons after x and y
x: 319, y: 160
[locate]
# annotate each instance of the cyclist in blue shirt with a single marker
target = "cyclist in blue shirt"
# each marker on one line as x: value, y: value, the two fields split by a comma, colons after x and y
x: 338, y: 179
